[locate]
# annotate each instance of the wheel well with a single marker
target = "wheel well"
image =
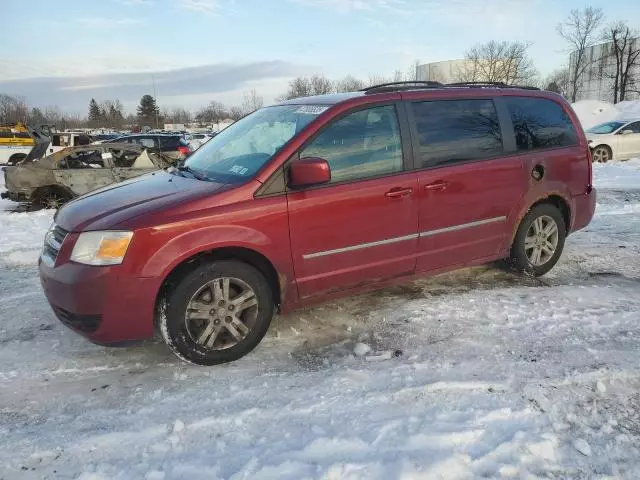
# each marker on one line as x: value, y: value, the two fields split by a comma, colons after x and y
x: 20, y: 156
x: 602, y: 145
x: 561, y: 205
x: 248, y: 256
x: 51, y: 188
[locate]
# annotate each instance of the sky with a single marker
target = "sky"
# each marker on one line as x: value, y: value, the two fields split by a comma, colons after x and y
x: 66, y: 52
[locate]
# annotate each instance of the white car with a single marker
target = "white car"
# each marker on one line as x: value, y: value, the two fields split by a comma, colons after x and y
x: 617, y: 140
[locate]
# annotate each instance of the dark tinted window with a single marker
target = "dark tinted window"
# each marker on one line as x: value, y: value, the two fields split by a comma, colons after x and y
x: 360, y: 145
x: 457, y: 131
x: 172, y: 142
x: 540, y: 123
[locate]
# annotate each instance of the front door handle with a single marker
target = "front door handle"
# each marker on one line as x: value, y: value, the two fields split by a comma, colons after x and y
x: 398, y: 192
x: 436, y: 186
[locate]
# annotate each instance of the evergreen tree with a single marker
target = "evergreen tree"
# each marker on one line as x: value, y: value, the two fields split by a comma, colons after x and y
x: 148, y: 110
x: 94, y: 113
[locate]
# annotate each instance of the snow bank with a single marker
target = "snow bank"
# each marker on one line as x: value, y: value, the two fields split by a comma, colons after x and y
x: 629, y: 110
x: 593, y: 112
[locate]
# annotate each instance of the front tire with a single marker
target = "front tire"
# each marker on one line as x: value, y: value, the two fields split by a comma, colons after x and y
x: 539, y: 241
x: 602, y: 154
x: 217, y: 313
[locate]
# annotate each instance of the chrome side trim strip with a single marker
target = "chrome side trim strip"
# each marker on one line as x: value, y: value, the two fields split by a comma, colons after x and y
x: 361, y: 246
x: 430, y: 233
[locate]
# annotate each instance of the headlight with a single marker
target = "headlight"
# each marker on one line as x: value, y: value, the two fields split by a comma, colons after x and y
x: 101, y: 248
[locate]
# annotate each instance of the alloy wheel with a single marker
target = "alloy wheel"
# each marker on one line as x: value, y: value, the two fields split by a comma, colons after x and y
x: 541, y: 241
x: 601, y: 154
x: 221, y: 313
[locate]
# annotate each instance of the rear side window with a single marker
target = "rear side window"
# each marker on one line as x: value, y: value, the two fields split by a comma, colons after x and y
x: 451, y: 131
x: 540, y: 123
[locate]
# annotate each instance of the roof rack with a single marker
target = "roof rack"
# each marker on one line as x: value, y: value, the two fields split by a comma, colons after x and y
x: 489, y: 85
x: 395, y: 86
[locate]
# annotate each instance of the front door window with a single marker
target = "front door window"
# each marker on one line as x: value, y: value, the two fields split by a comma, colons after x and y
x: 361, y: 145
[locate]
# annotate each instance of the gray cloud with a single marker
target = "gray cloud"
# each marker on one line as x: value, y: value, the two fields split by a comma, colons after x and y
x: 74, y: 93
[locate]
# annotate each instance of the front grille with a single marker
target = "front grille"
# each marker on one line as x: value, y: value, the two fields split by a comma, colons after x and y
x: 83, y: 323
x: 52, y: 243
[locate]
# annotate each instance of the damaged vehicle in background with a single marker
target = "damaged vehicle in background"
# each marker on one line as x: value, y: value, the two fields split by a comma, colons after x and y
x: 54, y: 180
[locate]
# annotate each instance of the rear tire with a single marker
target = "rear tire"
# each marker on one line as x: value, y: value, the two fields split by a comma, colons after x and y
x: 217, y: 313
x: 539, y: 240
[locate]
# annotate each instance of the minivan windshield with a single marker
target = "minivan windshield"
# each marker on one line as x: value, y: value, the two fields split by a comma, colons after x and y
x: 240, y: 150
x: 605, y: 128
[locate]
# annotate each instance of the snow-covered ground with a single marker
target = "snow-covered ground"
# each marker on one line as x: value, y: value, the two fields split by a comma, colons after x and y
x: 475, y: 374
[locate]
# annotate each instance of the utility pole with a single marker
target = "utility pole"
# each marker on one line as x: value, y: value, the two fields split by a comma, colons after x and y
x: 155, y: 99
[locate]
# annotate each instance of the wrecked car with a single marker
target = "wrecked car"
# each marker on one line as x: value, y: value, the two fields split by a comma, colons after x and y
x: 54, y: 180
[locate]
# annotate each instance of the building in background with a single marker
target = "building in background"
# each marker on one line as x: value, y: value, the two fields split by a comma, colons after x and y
x: 597, y: 82
x: 447, y: 71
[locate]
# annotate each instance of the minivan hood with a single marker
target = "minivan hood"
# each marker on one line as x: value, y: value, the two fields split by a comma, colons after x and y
x: 107, y: 207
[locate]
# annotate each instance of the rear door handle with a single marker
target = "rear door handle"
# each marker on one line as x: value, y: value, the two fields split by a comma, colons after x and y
x: 398, y: 192
x: 436, y: 186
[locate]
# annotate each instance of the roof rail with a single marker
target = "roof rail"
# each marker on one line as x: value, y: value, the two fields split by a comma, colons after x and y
x: 395, y: 86
x: 489, y: 85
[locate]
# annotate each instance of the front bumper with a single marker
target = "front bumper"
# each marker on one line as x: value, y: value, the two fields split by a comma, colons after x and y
x: 103, y: 304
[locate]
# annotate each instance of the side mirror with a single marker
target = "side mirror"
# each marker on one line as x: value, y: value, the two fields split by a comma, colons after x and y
x: 626, y: 132
x: 309, y: 171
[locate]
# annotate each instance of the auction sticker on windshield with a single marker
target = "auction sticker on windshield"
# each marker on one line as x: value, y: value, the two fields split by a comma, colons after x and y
x: 312, y: 109
x: 239, y: 169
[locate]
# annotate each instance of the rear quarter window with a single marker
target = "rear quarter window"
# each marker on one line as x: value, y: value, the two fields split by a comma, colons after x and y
x: 540, y: 123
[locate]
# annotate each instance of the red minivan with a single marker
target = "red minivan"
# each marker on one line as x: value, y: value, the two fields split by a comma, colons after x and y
x: 316, y: 198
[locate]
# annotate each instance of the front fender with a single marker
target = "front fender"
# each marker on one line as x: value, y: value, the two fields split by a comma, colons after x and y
x: 186, y: 244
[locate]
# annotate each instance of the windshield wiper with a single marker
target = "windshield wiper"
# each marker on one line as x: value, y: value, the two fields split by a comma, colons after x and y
x: 195, y: 173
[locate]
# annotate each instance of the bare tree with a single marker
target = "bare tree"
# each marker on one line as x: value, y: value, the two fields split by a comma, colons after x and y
x: 580, y: 31
x: 177, y: 115
x: 494, y: 61
x: 13, y: 109
x: 348, y: 84
x: 215, y: 112
x: 557, y: 81
x: 412, y: 73
x: 305, y: 87
x: 252, y: 102
x: 236, y: 113
x: 375, y: 79
x: 320, y: 85
x: 622, y: 58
